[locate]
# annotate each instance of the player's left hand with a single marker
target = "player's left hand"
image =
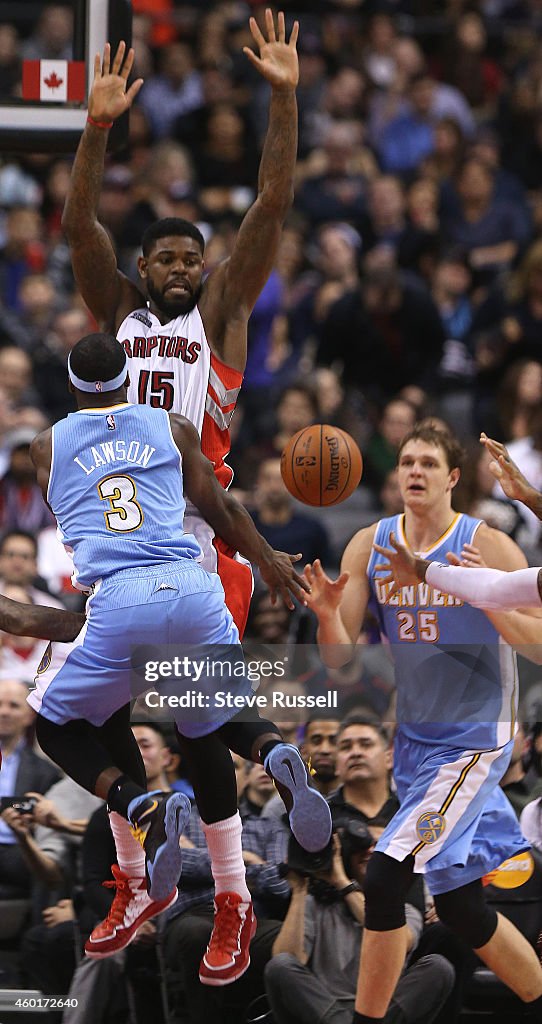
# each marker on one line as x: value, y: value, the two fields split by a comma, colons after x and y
x: 470, y: 557
x: 279, y: 575
x: 400, y: 567
x: 278, y: 61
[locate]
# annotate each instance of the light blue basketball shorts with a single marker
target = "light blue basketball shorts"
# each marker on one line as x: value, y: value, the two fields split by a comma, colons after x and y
x: 454, y: 817
x: 174, y: 603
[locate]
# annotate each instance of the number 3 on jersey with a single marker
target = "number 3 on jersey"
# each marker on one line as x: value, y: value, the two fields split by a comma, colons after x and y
x: 125, y: 513
x: 423, y: 626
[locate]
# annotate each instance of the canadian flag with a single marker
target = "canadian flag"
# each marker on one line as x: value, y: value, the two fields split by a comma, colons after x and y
x: 54, y: 80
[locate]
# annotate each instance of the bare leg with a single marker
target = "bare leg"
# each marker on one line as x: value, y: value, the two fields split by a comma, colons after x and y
x: 382, y: 960
x: 513, y: 960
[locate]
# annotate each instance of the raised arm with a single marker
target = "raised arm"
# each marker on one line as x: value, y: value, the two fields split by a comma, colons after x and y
x: 510, y: 477
x: 230, y: 519
x: 232, y: 289
x: 340, y: 605
x: 107, y: 292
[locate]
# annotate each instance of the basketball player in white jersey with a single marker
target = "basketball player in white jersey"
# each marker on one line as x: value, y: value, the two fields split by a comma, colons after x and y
x: 186, y: 338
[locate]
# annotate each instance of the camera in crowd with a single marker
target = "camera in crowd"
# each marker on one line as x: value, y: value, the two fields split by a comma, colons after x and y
x: 22, y: 804
x: 354, y: 837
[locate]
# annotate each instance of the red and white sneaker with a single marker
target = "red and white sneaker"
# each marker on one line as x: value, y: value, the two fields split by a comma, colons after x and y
x: 131, y: 906
x: 228, y: 954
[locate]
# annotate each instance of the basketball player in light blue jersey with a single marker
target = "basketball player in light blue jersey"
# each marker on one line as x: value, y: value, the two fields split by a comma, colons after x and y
x: 113, y: 475
x: 456, y: 720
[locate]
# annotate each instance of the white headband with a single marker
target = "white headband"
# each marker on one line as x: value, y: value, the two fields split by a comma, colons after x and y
x: 97, y: 385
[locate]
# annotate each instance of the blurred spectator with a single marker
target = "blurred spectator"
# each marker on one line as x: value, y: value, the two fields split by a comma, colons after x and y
x: 390, y: 495
x: 409, y: 137
x: 519, y: 395
x: 258, y: 789
x: 283, y: 528
x: 10, y: 62
x: 388, y: 324
x: 18, y: 566
x: 475, y: 493
x: 16, y: 376
x: 296, y: 407
x: 174, y: 91
x: 467, y: 66
x: 37, y: 304
x: 398, y: 417
x: 21, y: 502
x: 340, y: 191
x: 50, y: 361
x: 486, y: 229
x: 527, y: 454
x: 52, y: 37
x: 263, y: 362
x: 22, y: 771
x: 22, y: 253
x: 319, y: 749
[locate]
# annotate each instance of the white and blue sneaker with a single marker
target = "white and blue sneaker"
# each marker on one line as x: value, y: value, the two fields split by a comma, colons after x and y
x: 157, y: 822
x: 308, y: 811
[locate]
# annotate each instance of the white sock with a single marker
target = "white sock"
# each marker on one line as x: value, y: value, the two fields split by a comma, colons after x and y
x: 224, y: 845
x: 130, y: 853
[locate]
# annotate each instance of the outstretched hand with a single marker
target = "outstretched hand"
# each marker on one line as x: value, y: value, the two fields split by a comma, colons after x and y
x: 278, y: 61
x: 109, y: 97
x: 324, y: 595
x: 504, y: 470
x: 279, y: 575
x: 401, y: 565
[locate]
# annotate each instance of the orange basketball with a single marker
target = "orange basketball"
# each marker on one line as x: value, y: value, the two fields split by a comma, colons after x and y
x: 321, y: 465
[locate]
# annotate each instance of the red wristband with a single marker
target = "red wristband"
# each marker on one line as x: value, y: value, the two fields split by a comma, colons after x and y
x: 99, y: 124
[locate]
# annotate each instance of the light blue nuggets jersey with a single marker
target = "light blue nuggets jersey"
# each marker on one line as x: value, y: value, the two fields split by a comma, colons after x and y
x: 456, y: 679
x: 116, y: 490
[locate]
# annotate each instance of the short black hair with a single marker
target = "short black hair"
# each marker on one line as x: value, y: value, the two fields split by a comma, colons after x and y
x: 323, y: 715
x: 170, y: 226
x: 97, y: 357
x: 19, y: 533
x: 370, y: 720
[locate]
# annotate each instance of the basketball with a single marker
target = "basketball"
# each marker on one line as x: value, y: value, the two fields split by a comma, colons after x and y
x: 321, y: 465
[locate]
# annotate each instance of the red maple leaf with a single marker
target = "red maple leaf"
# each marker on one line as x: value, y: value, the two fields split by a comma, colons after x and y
x: 53, y: 81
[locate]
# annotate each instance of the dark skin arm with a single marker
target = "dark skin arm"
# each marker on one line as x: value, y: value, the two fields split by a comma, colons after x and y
x: 231, y: 291
x: 39, y: 621
x: 229, y: 519
x: 226, y: 515
x: 109, y: 295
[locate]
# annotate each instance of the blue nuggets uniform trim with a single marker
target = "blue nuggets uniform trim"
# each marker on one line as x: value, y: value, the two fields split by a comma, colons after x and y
x: 456, y: 696
x: 456, y: 679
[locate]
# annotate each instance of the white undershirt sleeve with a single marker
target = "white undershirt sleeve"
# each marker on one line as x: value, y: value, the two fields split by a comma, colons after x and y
x: 492, y: 589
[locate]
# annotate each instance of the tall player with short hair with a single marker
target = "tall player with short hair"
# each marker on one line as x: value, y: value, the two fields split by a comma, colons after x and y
x: 113, y: 475
x: 186, y: 337
x: 456, y: 690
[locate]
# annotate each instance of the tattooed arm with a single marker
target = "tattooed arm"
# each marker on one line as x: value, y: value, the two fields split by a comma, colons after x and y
x: 232, y: 289
x: 106, y: 291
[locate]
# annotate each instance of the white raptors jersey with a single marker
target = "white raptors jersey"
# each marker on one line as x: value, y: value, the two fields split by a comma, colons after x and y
x: 171, y: 367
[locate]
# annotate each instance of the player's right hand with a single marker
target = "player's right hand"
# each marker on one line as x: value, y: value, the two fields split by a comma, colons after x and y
x: 325, y: 595
x: 281, y: 579
x: 109, y: 97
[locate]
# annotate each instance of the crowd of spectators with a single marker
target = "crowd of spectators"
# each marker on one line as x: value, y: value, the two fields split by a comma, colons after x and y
x: 408, y: 284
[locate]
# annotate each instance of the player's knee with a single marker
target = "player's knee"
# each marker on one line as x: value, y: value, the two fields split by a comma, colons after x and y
x: 386, y: 884
x: 465, y: 912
